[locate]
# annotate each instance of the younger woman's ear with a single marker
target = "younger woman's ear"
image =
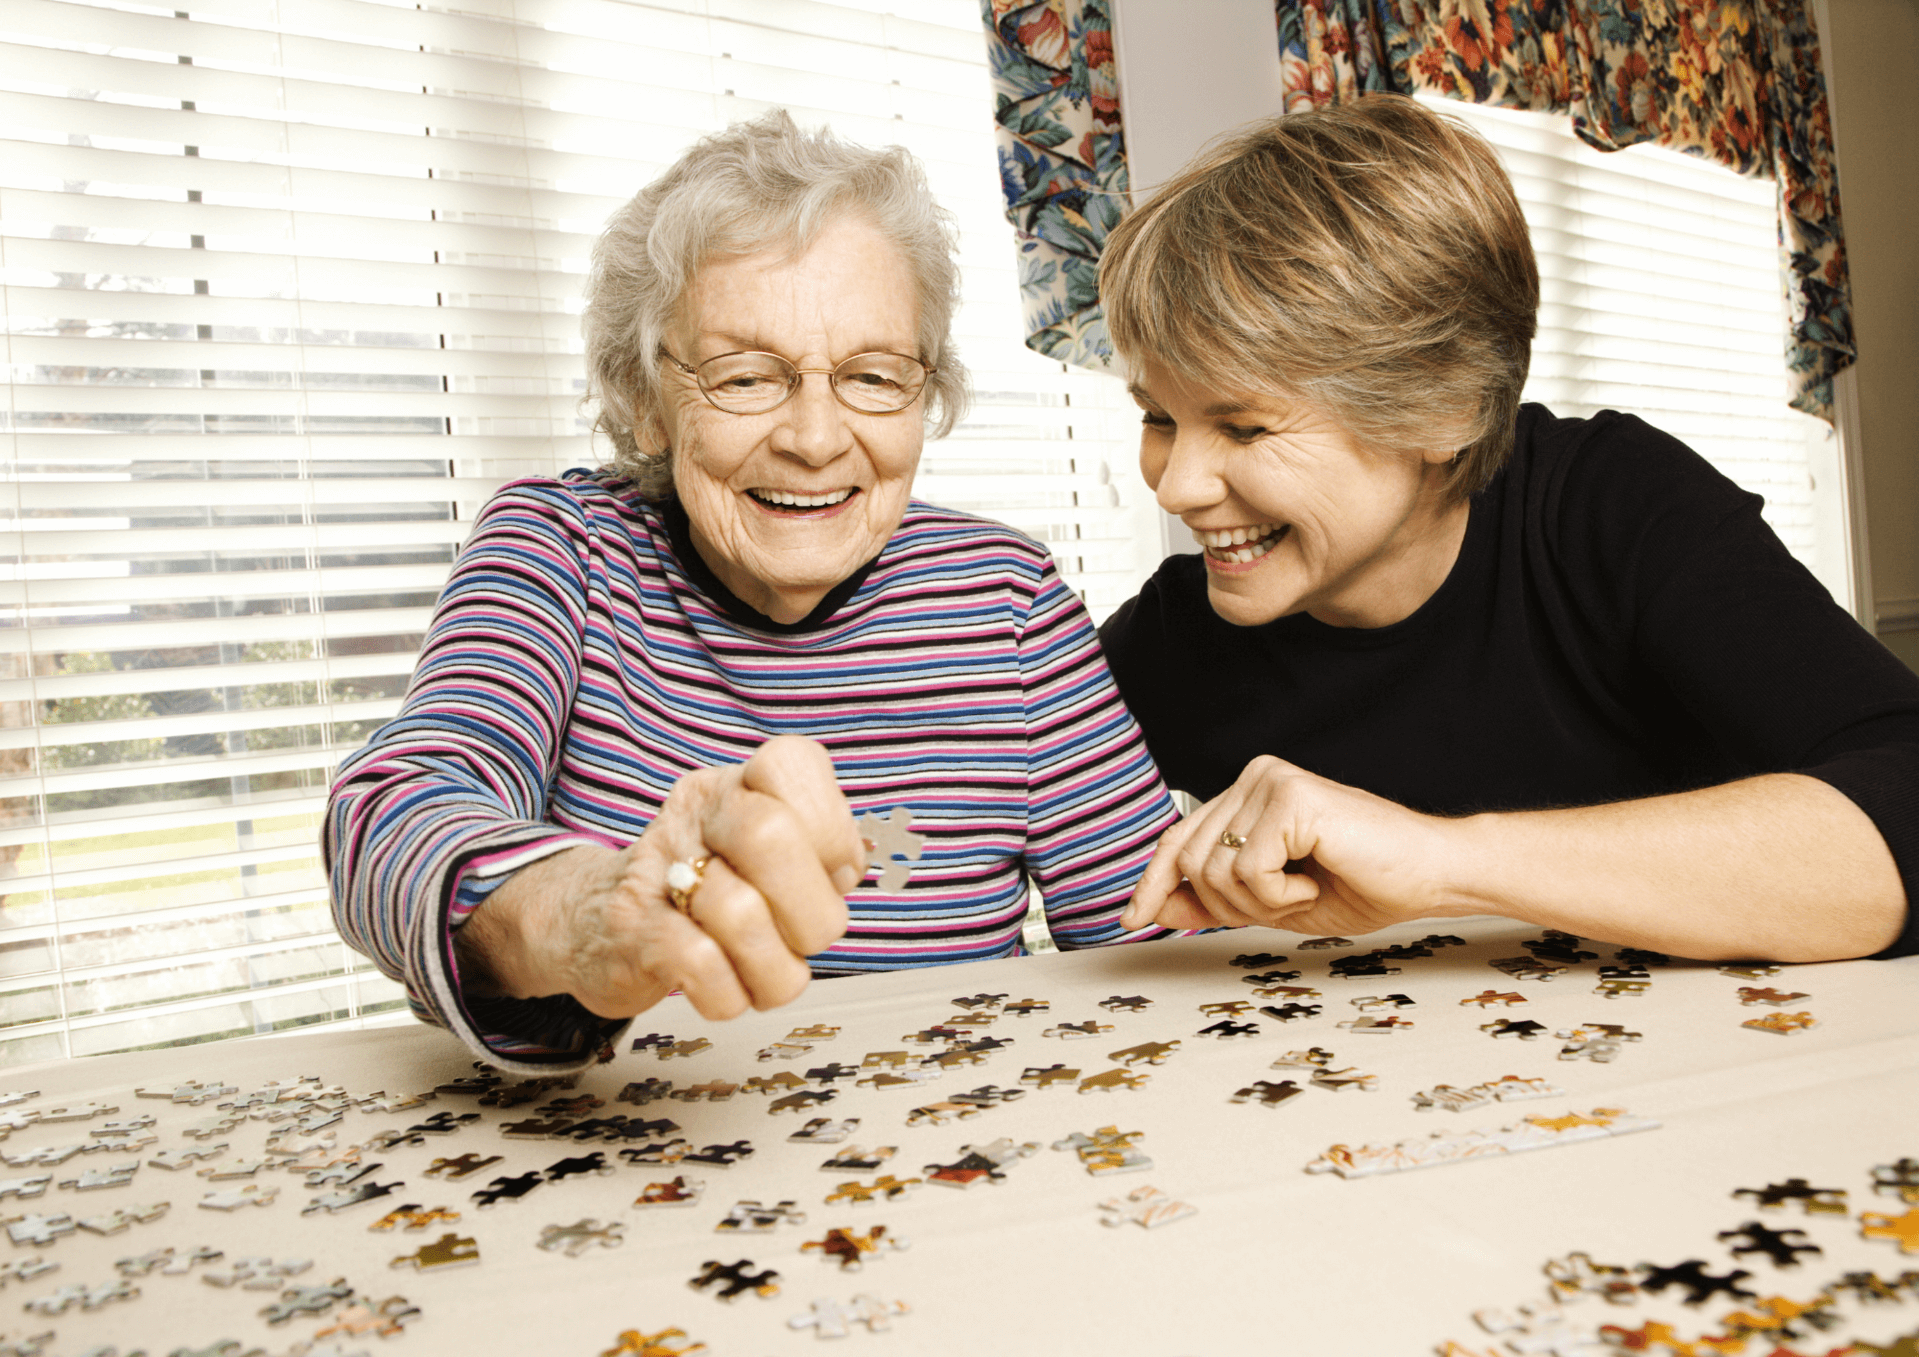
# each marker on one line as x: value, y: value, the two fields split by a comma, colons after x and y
x: 1450, y: 437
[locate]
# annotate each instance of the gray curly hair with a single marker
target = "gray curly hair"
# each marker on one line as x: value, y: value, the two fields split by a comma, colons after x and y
x: 756, y: 185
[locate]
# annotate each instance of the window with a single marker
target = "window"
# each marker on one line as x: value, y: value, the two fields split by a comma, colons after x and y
x: 289, y: 289
x: 1661, y: 296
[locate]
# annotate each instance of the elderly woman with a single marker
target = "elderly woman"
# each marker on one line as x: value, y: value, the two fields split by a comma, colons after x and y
x: 655, y: 697
x: 1445, y: 654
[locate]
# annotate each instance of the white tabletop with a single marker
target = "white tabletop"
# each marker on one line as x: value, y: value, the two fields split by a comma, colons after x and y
x: 1275, y: 1257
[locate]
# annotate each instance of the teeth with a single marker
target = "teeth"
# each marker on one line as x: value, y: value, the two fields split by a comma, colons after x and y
x: 1223, y: 539
x: 1238, y: 546
x: 794, y: 501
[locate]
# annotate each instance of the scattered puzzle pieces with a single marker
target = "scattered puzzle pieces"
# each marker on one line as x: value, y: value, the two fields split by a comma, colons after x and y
x: 460, y: 1167
x: 1111, y: 1080
x: 1748, y: 995
x: 886, y: 1188
x: 1265, y: 1094
x: 307, y: 1300
x: 1047, y: 1076
x: 1749, y: 970
x: 257, y: 1273
x: 1147, y: 1207
x: 1577, y: 1275
x: 1130, y: 1003
x: 830, y: 1319
x: 121, y: 1219
x: 186, y: 1154
x: 1528, y: 968
x: 1147, y: 1053
x: 1898, y: 1179
x: 40, y: 1230
x: 803, y: 1101
x: 1225, y: 1030
x: 643, y: 1091
x: 1070, y: 1031
x: 507, y: 1189
x: 385, y: 1318
x: 448, y: 1251
x: 1691, y: 1276
x: 415, y: 1217
x: 720, y: 1156
x: 1367, y: 1025
x: 827, y: 1075
x: 678, y: 1192
x: 1339, y: 1081
x: 854, y: 1159
x: 1815, y: 1201
x: 1316, y: 1057
x: 1107, y: 1151
x: 577, y: 1238
x: 1622, y: 989
x: 116, y: 1175
x: 1443, y: 1147
x: 1782, y: 1024
x: 1525, y: 1029
x: 26, y: 1269
x: 1904, y: 1229
x: 1775, y: 1244
x: 1510, y: 1088
x: 735, y: 1279
x: 633, y: 1343
x: 850, y: 1248
x: 86, y: 1297
x: 826, y: 1131
x: 339, y: 1200
x: 233, y: 1198
x: 751, y: 1217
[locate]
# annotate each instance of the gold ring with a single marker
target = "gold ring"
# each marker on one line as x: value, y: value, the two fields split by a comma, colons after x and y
x: 682, y: 880
x: 1231, y: 840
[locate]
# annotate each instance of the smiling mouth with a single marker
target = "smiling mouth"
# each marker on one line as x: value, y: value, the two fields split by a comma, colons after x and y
x: 792, y: 502
x: 1241, y: 546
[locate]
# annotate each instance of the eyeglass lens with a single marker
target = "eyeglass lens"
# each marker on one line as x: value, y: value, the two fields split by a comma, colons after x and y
x: 748, y: 383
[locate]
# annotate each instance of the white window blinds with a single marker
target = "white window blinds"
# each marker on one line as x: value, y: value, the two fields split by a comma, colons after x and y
x: 290, y: 286
x: 1661, y: 297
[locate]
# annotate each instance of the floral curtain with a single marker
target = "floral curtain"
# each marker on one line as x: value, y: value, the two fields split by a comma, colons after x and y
x: 1735, y: 80
x: 1062, y: 162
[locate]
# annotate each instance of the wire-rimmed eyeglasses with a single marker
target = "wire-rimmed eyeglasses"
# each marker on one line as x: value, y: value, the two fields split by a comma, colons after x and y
x: 752, y: 383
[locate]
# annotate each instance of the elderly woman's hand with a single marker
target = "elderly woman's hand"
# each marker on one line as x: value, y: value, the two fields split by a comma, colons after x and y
x: 1314, y: 856
x: 598, y: 924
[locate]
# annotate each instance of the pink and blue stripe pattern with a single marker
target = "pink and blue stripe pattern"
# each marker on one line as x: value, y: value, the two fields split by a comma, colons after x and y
x: 574, y: 672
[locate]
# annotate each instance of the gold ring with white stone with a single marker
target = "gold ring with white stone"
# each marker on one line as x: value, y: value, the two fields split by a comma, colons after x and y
x: 1231, y: 840
x: 682, y: 880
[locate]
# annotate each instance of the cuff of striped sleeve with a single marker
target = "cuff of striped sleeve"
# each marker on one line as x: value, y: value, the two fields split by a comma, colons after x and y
x: 550, y: 1034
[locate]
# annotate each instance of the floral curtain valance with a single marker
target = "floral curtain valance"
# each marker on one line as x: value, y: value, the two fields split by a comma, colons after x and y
x: 1062, y: 162
x: 1735, y: 80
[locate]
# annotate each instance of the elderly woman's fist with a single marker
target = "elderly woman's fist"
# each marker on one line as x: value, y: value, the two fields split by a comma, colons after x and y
x: 782, y: 853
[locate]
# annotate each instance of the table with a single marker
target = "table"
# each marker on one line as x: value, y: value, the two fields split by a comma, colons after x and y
x: 1275, y: 1260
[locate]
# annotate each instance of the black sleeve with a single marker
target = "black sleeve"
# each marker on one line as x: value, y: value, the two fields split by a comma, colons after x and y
x: 1745, y: 637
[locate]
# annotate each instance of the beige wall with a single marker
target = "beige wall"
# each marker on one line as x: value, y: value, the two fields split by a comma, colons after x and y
x: 1872, y: 64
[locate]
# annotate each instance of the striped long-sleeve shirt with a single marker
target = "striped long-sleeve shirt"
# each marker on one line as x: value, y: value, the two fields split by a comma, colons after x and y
x: 583, y: 659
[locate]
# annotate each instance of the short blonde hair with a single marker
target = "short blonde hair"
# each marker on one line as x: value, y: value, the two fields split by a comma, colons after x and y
x: 756, y: 185
x: 1369, y: 257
